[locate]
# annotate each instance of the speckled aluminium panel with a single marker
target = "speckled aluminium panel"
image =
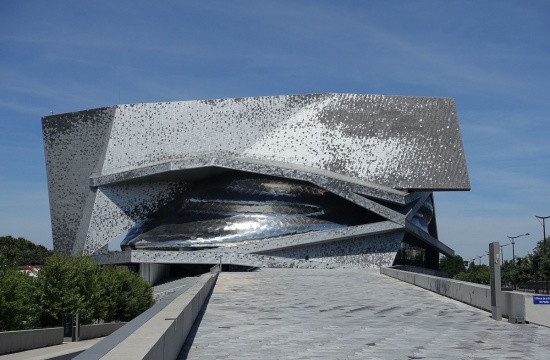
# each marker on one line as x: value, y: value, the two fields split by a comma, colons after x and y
x: 74, y: 147
x: 117, y: 208
x: 367, y: 252
x: 395, y: 142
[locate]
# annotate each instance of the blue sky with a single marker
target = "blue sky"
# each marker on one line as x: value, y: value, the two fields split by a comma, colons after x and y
x: 492, y: 57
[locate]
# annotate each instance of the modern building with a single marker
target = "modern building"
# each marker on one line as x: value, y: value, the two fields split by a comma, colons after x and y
x: 316, y: 181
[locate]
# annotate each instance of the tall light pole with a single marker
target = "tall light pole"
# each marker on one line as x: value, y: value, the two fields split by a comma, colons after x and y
x: 512, y: 238
x: 502, y: 252
x: 479, y: 257
x: 543, y: 232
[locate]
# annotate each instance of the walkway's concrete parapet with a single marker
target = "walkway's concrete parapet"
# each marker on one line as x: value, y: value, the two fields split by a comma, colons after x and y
x: 162, y: 336
x: 516, y: 306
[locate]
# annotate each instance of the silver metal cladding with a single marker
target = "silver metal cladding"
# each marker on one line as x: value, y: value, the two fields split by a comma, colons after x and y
x: 240, y: 207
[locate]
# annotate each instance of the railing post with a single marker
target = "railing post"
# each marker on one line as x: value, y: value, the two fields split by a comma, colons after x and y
x: 496, y: 291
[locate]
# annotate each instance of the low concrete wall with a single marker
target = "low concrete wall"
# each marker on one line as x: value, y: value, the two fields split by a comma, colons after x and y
x: 516, y: 306
x: 98, y: 330
x: 537, y: 314
x: 162, y: 336
x: 14, y: 341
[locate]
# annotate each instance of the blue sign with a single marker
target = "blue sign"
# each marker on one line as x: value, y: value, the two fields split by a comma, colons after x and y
x: 541, y: 300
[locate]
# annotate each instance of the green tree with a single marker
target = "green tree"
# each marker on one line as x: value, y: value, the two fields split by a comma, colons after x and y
x: 124, y: 294
x: 475, y: 273
x: 21, y: 252
x: 452, y: 265
x: 18, y: 309
x: 76, y: 285
x: 541, y: 260
x: 521, y: 271
x: 68, y: 285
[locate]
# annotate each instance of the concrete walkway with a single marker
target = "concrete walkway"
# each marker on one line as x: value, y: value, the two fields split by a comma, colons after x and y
x: 348, y: 314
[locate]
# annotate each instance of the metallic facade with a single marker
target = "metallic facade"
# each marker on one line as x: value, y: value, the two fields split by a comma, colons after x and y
x: 121, y: 168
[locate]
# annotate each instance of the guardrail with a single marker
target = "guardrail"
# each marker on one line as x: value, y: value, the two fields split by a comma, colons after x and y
x: 518, y: 307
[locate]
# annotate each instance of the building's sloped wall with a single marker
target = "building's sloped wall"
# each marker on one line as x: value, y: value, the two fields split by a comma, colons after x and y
x: 74, y: 146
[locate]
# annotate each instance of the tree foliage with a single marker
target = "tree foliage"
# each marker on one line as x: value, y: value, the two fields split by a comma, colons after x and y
x: 124, y: 294
x: 70, y: 285
x: 541, y: 260
x: 532, y: 267
x: 521, y: 271
x: 75, y: 285
x: 452, y: 265
x: 21, y: 252
x: 18, y: 310
x: 475, y: 273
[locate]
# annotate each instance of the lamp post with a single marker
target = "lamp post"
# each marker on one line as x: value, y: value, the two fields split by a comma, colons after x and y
x: 512, y: 238
x: 479, y: 257
x: 543, y: 231
x: 502, y: 252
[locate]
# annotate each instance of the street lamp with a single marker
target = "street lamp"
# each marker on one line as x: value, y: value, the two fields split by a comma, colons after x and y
x: 543, y: 231
x: 502, y: 252
x: 479, y: 257
x: 512, y: 238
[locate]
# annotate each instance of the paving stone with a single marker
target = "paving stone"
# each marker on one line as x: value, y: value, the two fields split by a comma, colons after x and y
x: 348, y: 314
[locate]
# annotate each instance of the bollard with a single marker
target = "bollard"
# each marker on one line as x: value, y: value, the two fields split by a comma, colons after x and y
x: 496, y: 291
x: 77, y: 328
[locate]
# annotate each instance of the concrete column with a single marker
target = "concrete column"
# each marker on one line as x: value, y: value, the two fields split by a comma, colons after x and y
x: 496, y: 292
x: 152, y: 273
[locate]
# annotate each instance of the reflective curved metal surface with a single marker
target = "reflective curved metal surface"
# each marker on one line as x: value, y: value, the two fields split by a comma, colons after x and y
x: 243, y: 207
